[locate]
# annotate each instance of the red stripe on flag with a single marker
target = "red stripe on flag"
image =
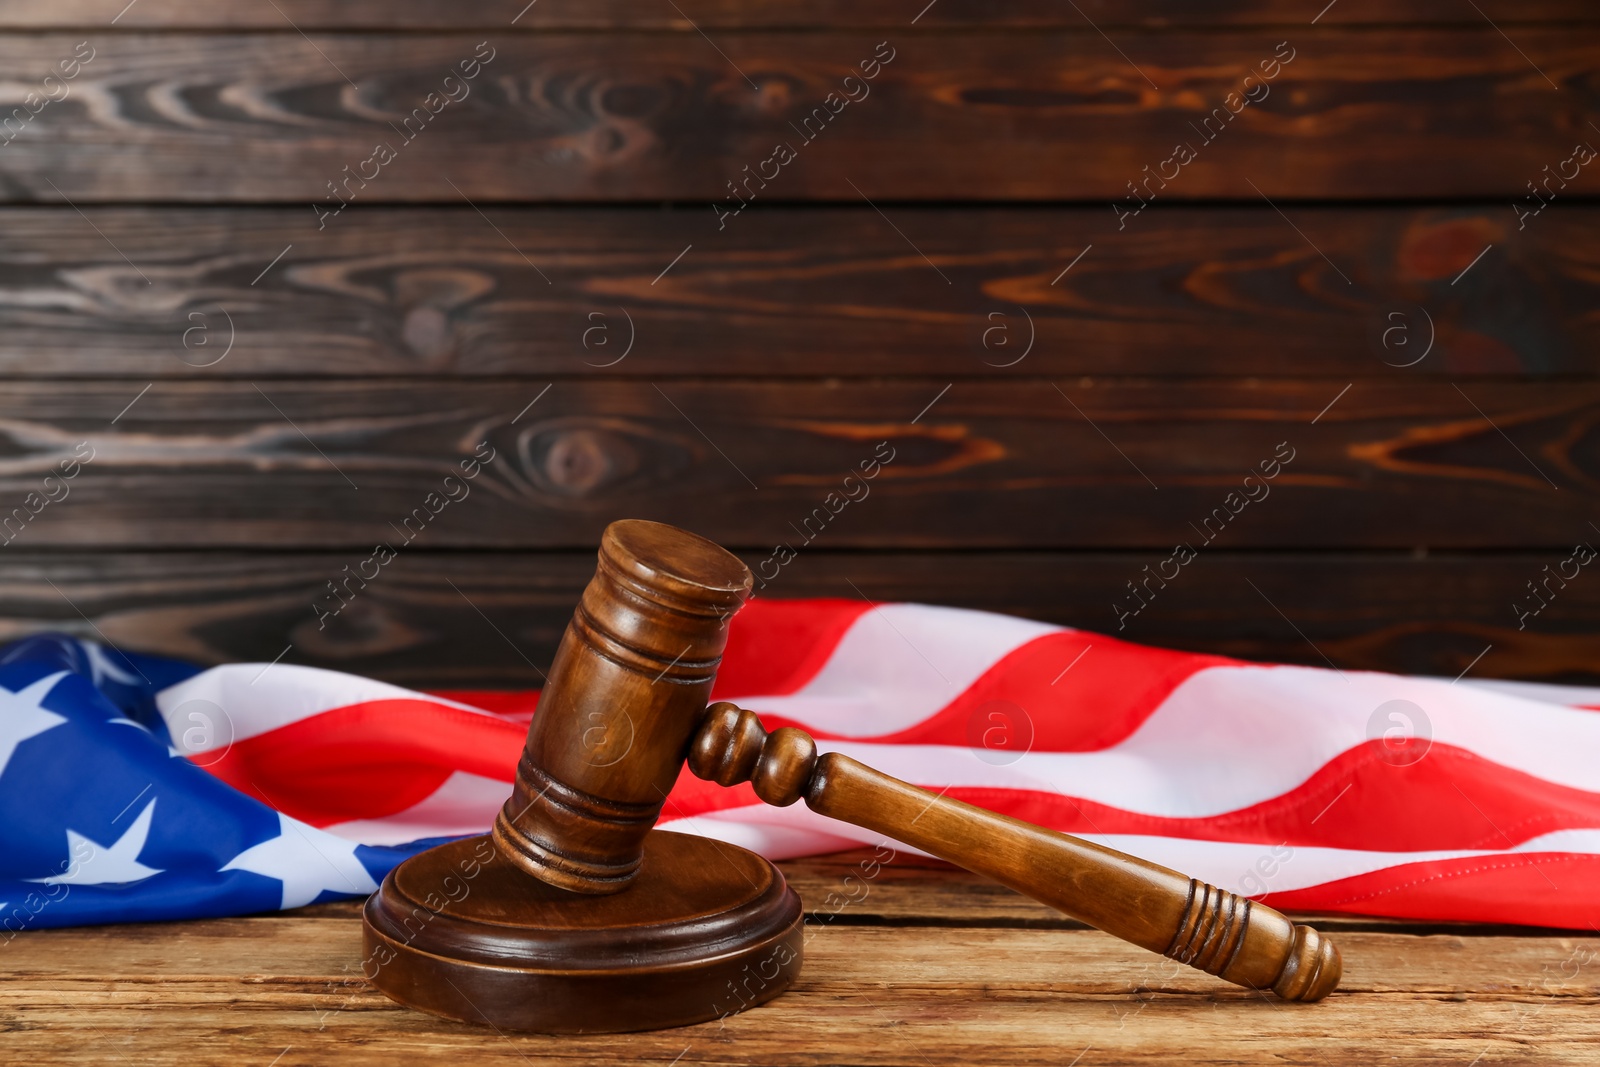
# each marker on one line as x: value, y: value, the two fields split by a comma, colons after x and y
x: 367, y: 760
x: 1549, y: 888
x: 513, y: 704
x: 776, y: 646
x: 1452, y: 800
x: 1079, y: 692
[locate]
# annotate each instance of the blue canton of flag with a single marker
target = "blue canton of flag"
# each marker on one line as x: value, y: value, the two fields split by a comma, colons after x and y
x: 105, y: 820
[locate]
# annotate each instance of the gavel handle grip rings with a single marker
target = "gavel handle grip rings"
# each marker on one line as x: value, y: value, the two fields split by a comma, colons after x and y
x: 1149, y: 905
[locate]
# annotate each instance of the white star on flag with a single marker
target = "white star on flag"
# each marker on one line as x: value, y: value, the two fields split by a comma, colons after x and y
x: 100, y: 665
x: 123, y: 720
x: 22, y: 717
x: 107, y: 864
x: 307, y: 861
x: 90, y: 652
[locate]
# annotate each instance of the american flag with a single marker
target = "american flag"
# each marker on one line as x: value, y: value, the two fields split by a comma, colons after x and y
x: 140, y: 788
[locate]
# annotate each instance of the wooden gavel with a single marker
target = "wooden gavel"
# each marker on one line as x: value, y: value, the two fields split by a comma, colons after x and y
x: 626, y: 704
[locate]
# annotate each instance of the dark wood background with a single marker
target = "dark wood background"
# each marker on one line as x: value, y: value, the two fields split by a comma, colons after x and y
x: 914, y: 275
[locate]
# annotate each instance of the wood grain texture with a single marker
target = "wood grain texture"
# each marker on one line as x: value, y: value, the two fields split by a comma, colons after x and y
x: 1044, y: 115
x: 1014, y: 463
x: 289, y: 986
x: 798, y: 292
x: 492, y: 620
x: 770, y: 14
x: 1421, y: 99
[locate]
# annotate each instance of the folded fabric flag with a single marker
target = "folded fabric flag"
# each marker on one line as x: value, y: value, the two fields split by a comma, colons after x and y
x: 139, y: 788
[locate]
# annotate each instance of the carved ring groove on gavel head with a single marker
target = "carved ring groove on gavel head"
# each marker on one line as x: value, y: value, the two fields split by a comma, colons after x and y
x: 628, y: 687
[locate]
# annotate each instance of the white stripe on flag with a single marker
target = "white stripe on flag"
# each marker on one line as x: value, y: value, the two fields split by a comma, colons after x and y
x: 898, y: 664
x: 464, y: 804
x: 1231, y: 737
x: 256, y: 701
x: 1572, y: 696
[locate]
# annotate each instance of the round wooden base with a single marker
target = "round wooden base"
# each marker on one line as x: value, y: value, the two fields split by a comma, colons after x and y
x: 705, y: 930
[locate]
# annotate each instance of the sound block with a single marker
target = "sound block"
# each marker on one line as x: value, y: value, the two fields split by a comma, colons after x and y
x: 705, y: 930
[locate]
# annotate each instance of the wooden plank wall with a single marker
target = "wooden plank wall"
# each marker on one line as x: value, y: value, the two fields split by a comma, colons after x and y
x: 269, y: 271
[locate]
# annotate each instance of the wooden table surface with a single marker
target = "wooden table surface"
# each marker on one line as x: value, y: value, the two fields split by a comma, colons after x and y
x: 918, y: 965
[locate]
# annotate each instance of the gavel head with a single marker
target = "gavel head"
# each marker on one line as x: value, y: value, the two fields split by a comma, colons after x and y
x: 628, y: 687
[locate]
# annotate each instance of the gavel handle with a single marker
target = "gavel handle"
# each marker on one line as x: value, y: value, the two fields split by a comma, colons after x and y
x: 1144, y: 903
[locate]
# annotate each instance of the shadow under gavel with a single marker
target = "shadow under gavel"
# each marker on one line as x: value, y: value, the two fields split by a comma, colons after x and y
x: 583, y: 918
